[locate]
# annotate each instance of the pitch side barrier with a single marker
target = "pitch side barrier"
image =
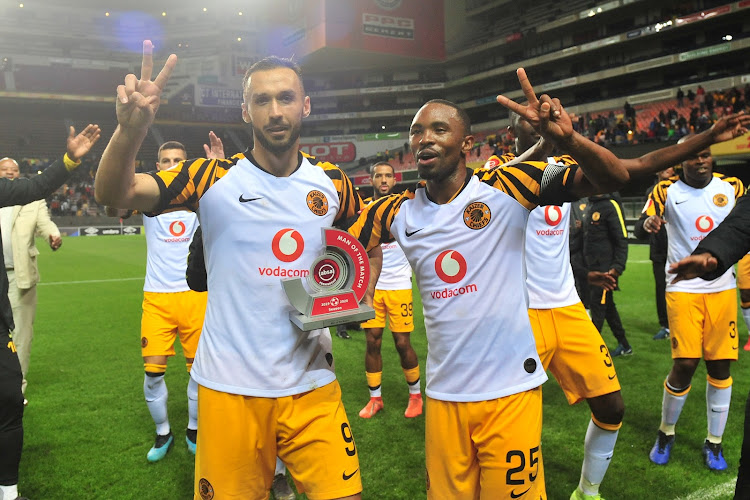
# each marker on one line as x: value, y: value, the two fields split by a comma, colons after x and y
x: 101, y: 230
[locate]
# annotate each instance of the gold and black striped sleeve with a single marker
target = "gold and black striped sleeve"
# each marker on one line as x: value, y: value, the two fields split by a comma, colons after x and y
x: 373, y: 226
x: 350, y: 204
x: 181, y: 187
x: 532, y: 183
x: 658, y: 198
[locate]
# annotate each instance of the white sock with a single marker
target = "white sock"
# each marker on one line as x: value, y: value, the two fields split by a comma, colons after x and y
x: 155, y: 391
x: 671, y: 407
x: 598, y: 447
x: 8, y: 492
x: 192, y: 394
x: 415, y: 388
x: 746, y: 315
x: 717, y: 409
x: 280, y: 467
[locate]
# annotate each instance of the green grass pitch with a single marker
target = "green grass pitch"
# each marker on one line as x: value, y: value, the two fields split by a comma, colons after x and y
x: 87, y: 429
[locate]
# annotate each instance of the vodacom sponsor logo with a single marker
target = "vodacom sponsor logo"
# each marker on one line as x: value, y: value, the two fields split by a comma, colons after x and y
x: 450, y: 266
x: 552, y: 214
x: 287, y: 245
x: 177, y: 228
x: 553, y: 217
x: 704, y: 224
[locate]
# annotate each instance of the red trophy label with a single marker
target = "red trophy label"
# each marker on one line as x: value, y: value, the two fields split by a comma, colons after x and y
x: 338, y: 281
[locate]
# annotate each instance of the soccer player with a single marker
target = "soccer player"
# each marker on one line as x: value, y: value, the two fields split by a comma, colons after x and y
x: 21, y: 192
x: 265, y: 386
x: 702, y: 315
x: 462, y: 232
x: 170, y: 309
x: 393, y: 299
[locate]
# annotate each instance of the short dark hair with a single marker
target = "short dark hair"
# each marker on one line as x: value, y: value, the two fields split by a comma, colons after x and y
x: 171, y: 145
x: 462, y: 114
x: 273, y: 62
x: 372, y: 168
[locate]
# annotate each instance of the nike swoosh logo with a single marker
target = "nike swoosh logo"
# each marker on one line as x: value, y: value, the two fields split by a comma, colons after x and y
x: 245, y: 200
x: 612, y: 377
x: 679, y: 202
x: 513, y: 494
x: 347, y: 477
x: 408, y: 234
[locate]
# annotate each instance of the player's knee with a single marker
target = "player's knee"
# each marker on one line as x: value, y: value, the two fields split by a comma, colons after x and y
x: 745, y: 297
x: 608, y: 409
x: 684, y: 368
x: 373, y: 345
x: 403, y: 345
x: 718, y: 370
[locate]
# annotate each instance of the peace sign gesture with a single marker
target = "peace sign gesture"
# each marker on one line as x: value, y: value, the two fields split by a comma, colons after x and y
x: 545, y: 114
x: 138, y: 100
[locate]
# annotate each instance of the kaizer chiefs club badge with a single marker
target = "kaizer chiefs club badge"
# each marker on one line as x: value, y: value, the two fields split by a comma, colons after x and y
x: 338, y: 280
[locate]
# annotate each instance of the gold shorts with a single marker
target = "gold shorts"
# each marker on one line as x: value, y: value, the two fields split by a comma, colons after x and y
x: 571, y: 347
x: 398, y: 305
x: 485, y: 449
x: 166, y: 315
x: 703, y: 324
x: 743, y: 273
x: 240, y: 436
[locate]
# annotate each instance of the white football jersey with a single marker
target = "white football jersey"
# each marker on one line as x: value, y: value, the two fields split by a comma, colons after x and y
x: 258, y: 229
x: 549, y: 277
x: 168, y: 238
x: 691, y: 214
x: 468, y: 259
x: 396, y: 271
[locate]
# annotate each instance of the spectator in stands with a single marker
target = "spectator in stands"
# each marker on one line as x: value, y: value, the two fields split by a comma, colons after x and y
x: 680, y: 97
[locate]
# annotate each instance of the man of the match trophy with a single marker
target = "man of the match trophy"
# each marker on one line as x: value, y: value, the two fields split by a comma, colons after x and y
x: 338, y: 280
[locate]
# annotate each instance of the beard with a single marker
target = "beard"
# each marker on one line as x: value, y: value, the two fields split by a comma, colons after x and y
x: 277, y: 148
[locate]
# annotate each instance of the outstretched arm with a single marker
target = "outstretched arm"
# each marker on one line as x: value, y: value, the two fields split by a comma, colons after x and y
x: 116, y: 183
x: 725, y: 129
x: 603, y: 171
x: 23, y: 191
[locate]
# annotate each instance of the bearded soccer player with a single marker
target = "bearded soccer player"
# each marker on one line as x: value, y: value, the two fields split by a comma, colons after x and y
x: 265, y: 386
x: 462, y: 232
x: 393, y: 299
x: 170, y: 308
x: 702, y: 314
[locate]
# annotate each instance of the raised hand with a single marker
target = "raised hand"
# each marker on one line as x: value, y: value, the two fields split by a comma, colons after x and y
x: 79, y: 145
x: 693, y: 266
x: 138, y: 99
x: 730, y: 126
x: 216, y: 148
x: 545, y: 114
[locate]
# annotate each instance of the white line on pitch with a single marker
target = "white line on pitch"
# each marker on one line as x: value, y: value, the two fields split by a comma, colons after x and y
x: 112, y: 280
x: 718, y: 491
